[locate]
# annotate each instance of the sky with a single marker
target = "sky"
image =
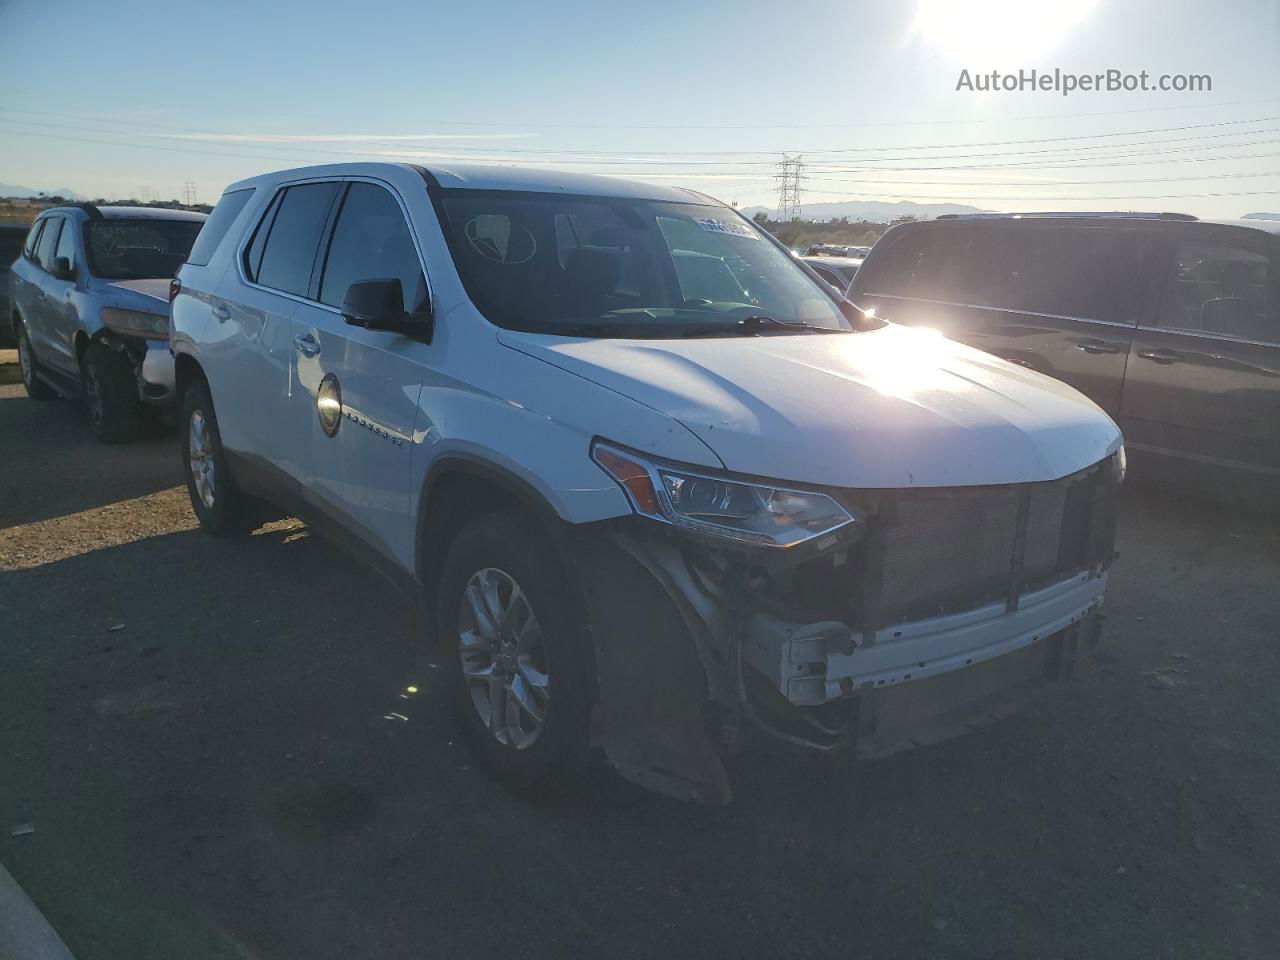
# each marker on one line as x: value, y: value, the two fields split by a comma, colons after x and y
x: 136, y: 98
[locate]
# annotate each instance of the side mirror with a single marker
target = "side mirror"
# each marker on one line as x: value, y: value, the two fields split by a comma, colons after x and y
x: 61, y: 268
x: 379, y: 305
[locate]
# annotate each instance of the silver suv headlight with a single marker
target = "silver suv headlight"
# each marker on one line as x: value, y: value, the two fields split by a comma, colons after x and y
x: 136, y: 323
x: 737, y: 510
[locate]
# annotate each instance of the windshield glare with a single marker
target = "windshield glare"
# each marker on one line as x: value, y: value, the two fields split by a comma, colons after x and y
x: 603, y: 266
x: 120, y: 249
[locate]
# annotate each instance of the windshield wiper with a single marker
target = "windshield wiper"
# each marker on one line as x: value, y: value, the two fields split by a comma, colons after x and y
x: 753, y: 325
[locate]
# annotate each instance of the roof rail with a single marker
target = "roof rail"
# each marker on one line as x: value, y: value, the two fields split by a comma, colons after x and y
x: 1069, y: 214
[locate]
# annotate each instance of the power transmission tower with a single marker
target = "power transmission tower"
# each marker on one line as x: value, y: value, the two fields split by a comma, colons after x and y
x: 790, y: 173
x: 189, y: 193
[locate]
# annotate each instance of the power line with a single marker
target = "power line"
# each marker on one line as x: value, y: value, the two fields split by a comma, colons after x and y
x: 1071, y: 163
x: 638, y: 155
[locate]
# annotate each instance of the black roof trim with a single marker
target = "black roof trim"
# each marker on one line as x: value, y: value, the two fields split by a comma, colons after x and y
x: 90, y: 208
x: 426, y: 175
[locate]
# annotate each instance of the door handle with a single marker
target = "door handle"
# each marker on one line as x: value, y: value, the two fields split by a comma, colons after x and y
x: 306, y: 344
x: 1161, y: 356
x: 222, y: 311
x: 1097, y: 346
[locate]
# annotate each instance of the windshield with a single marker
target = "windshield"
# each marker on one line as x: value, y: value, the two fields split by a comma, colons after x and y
x: 139, y: 249
x: 611, y: 267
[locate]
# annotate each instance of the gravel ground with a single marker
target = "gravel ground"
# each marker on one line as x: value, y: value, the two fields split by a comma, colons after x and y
x: 202, y: 735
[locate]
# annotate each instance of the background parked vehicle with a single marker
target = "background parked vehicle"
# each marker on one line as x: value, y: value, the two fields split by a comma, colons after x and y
x: 89, y: 302
x: 837, y: 271
x: 1169, y: 323
x: 11, y: 239
x: 836, y: 250
x: 657, y: 482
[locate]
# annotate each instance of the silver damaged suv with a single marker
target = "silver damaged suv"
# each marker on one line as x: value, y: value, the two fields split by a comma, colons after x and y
x: 90, y: 308
x: 658, y: 483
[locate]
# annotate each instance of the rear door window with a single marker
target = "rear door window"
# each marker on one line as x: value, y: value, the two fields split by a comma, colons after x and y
x: 293, y: 237
x: 216, y: 227
x: 1221, y: 289
x: 371, y: 241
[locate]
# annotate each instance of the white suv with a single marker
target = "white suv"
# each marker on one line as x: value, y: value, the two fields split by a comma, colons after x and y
x: 658, y: 485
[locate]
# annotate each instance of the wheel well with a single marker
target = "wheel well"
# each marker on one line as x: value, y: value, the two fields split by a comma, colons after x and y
x: 452, y: 500
x: 185, y: 370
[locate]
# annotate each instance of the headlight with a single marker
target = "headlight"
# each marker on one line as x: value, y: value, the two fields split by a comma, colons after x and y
x: 135, y: 323
x: 1122, y: 465
x: 735, y: 510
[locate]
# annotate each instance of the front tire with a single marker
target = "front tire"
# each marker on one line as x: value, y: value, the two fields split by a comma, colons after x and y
x: 219, y: 504
x: 111, y: 393
x: 514, y: 649
x: 36, y: 388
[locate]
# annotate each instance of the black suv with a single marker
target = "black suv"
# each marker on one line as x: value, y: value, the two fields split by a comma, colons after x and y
x: 1169, y: 323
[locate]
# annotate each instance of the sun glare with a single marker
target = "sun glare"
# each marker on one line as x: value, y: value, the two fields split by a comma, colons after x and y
x: 990, y: 33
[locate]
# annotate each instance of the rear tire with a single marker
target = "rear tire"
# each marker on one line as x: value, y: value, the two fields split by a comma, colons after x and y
x: 111, y: 392
x: 220, y: 506
x: 524, y: 649
x: 36, y: 388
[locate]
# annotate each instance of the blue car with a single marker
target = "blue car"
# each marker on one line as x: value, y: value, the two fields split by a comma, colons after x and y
x: 89, y: 304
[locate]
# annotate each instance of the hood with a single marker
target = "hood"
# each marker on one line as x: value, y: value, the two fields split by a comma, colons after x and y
x: 157, y: 287
x: 893, y: 407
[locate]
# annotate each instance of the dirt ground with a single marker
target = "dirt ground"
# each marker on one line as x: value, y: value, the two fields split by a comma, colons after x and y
x: 203, y: 735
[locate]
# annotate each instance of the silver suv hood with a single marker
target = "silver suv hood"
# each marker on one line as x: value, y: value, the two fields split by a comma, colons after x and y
x: 893, y: 407
x: 151, y: 287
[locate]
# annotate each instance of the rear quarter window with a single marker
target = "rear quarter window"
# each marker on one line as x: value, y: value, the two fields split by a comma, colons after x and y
x: 216, y: 227
x: 33, y: 238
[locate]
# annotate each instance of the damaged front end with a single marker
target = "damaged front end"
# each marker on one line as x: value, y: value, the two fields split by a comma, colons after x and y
x: 931, y: 612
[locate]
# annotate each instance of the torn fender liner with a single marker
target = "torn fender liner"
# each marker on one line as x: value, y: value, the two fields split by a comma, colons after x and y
x: 651, y: 685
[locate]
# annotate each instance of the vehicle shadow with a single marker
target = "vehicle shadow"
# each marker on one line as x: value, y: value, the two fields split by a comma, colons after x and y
x: 76, y: 471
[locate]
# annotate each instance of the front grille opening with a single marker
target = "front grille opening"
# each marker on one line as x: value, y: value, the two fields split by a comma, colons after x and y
x: 936, y: 552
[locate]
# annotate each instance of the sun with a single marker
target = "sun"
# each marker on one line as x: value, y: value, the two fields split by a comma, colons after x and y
x: 990, y: 33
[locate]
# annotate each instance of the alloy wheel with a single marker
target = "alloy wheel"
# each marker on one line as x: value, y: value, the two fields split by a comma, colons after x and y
x: 504, y: 661
x: 200, y: 457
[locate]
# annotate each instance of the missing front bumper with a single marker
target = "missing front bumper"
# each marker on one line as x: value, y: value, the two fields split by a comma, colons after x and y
x: 814, y: 664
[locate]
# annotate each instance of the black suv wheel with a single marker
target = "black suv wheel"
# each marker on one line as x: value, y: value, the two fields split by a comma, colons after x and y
x: 219, y: 504
x: 513, y: 647
x: 111, y: 392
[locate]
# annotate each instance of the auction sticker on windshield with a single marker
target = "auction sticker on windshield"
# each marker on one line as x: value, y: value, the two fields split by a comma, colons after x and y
x: 712, y: 225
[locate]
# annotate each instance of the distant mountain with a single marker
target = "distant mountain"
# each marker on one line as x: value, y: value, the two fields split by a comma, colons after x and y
x: 10, y: 190
x: 872, y: 210
x: 1262, y: 216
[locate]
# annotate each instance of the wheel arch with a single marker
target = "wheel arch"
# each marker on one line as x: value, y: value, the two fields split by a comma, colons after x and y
x: 186, y: 370
x: 457, y: 489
